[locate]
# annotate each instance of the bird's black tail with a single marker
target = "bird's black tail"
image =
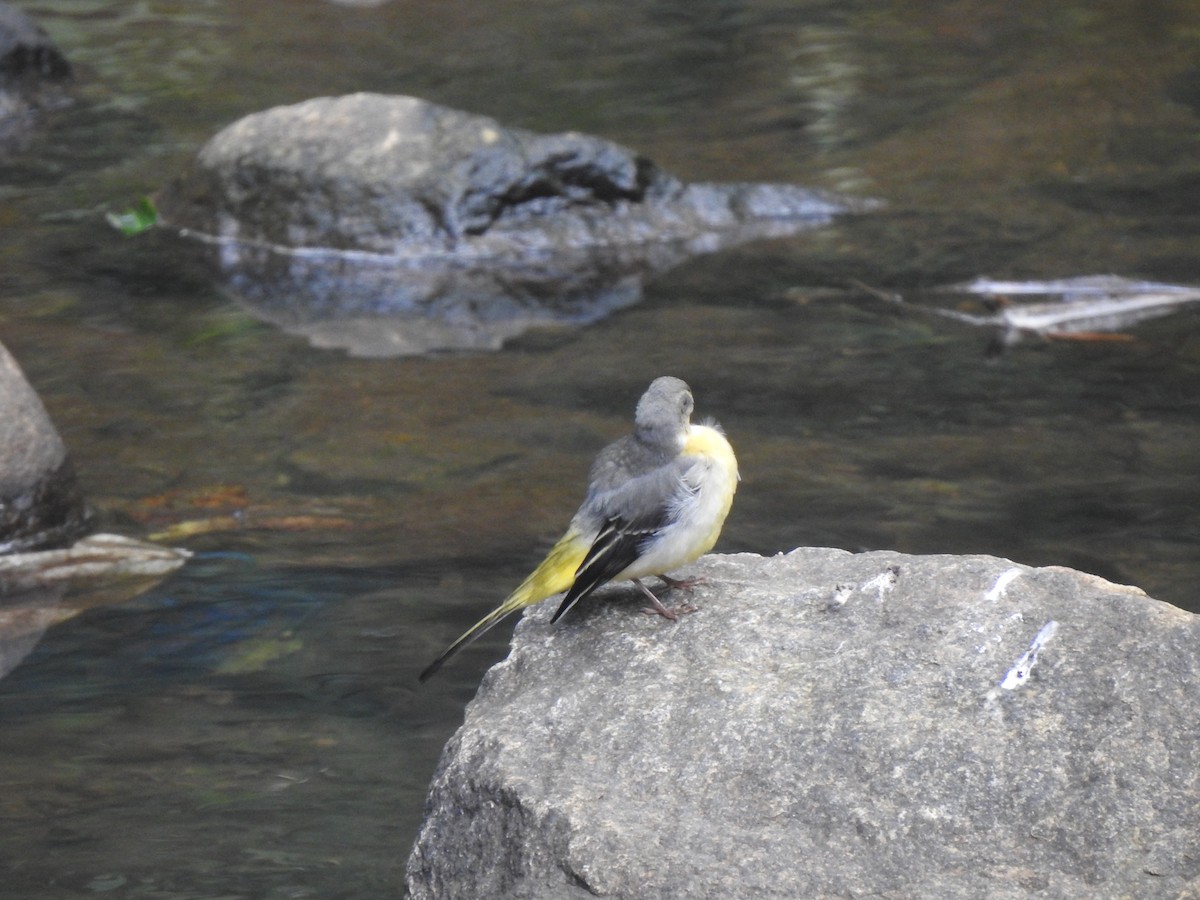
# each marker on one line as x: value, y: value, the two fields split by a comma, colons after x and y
x: 475, y: 631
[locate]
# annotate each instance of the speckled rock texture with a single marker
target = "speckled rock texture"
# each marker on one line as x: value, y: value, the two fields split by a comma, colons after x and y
x: 832, y: 724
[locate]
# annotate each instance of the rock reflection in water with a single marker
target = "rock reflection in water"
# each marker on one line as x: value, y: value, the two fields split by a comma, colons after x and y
x: 24, y: 618
x: 375, y: 306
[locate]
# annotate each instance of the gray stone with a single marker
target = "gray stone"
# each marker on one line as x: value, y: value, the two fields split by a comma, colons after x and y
x: 26, y: 51
x: 340, y: 208
x: 32, y: 74
x: 40, y: 501
x: 833, y: 725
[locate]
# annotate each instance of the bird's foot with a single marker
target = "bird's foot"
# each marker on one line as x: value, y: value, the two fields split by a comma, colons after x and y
x: 667, y: 612
x: 670, y: 612
x: 685, y: 584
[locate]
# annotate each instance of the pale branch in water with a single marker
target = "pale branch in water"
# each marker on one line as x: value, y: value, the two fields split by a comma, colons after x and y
x: 1086, y: 307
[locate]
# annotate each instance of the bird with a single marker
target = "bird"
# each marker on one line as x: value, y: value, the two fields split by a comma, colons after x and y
x: 656, y: 500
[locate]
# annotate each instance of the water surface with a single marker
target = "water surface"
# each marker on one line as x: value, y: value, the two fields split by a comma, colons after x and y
x: 253, y: 727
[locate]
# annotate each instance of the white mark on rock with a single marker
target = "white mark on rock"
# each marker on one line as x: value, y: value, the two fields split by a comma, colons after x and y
x: 1007, y: 577
x: 390, y: 141
x: 883, y: 583
x: 840, y: 595
x: 1020, y: 672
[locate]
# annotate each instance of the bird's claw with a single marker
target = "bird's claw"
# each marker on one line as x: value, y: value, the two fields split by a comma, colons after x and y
x: 685, y: 584
x: 667, y: 612
x: 670, y: 612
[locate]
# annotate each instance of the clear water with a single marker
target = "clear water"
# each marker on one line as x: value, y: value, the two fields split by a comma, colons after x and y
x: 253, y: 727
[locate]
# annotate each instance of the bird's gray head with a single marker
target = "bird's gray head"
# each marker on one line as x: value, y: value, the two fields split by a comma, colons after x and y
x: 664, y: 411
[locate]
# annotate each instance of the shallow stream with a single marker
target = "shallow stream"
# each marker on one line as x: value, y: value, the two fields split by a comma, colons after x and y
x: 253, y: 726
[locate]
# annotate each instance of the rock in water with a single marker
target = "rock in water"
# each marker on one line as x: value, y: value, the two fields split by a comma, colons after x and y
x: 26, y: 52
x: 393, y: 225
x: 32, y: 74
x: 40, y: 501
x: 403, y: 177
x: 42, y: 513
x: 833, y: 725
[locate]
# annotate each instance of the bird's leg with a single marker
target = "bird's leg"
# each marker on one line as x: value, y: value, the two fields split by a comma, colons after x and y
x: 685, y: 584
x: 667, y: 612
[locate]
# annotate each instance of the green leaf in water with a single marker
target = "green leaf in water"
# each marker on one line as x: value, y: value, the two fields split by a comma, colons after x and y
x: 142, y: 217
x: 255, y: 655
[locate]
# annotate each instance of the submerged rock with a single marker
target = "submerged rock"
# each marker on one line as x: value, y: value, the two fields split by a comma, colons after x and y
x: 40, y: 501
x: 44, y: 587
x: 833, y: 725
x: 96, y: 562
x: 368, y: 206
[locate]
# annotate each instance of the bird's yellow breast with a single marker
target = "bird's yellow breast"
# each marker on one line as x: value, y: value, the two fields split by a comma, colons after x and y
x: 704, y: 440
x: 722, y: 478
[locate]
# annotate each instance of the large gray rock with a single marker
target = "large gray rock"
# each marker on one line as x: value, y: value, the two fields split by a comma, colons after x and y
x: 406, y: 178
x: 833, y: 725
x: 341, y: 208
x: 40, y: 501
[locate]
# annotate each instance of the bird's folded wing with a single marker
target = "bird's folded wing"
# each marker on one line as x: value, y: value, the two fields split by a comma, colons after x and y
x: 630, y: 516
